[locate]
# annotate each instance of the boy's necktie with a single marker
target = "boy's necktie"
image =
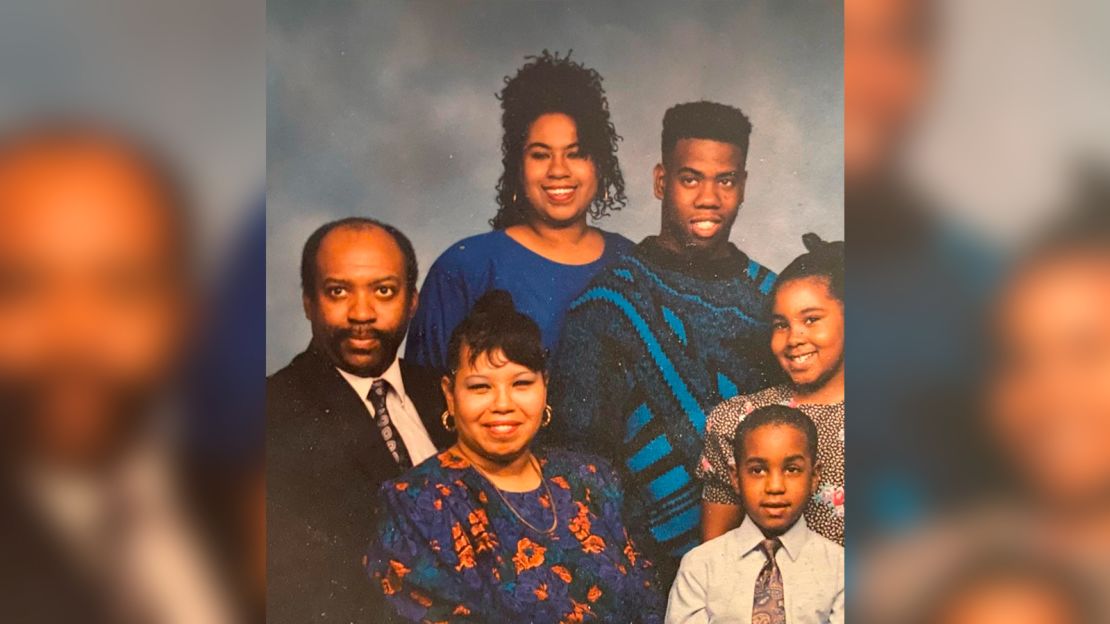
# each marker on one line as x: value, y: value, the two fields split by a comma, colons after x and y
x: 392, y: 438
x: 769, y: 607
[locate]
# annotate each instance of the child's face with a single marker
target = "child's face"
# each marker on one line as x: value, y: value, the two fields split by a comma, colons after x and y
x: 775, y: 477
x: 807, y: 334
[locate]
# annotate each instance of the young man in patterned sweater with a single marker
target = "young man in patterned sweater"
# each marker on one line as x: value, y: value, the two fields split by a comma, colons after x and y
x: 668, y: 332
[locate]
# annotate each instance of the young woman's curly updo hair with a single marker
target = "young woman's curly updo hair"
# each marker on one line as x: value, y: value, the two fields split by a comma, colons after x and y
x: 493, y: 325
x: 705, y: 120
x: 776, y: 415
x: 549, y: 83
x: 823, y: 260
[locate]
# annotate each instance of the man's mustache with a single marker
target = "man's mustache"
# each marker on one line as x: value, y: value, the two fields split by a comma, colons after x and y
x: 362, y: 333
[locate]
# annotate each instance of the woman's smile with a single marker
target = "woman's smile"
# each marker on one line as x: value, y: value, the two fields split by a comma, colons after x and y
x: 559, y: 178
x: 497, y: 404
x: 808, y: 331
x: 560, y: 194
x: 503, y: 429
x: 800, y: 361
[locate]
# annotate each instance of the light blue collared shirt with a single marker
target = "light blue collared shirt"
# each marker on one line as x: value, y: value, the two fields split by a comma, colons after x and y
x: 716, y: 581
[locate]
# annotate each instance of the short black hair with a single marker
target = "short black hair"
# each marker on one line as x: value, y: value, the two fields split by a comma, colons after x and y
x: 776, y: 415
x: 706, y: 120
x: 494, y: 324
x: 823, y: 260
x: 549, y: 83
x: 312, y: 248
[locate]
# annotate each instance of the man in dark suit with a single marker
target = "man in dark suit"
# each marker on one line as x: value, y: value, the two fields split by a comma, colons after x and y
x: 344, y: 416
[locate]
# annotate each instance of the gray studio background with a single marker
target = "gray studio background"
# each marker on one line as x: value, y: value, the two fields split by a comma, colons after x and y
x: 387, y: 109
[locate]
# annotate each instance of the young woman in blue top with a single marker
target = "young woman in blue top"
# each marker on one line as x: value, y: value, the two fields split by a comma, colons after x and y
x: 559, y: 153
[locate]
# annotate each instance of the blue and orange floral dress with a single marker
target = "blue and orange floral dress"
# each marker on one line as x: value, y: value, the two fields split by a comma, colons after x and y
x: 450, y: 550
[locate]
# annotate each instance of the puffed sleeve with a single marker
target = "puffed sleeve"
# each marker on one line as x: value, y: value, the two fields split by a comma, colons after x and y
x: 717, y: 457
x: 413, y: 561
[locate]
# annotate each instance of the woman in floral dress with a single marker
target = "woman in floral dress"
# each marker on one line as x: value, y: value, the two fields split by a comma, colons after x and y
x: 494, y: 531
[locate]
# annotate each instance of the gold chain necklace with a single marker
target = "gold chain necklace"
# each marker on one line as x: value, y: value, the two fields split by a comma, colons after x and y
x: 547, y: 488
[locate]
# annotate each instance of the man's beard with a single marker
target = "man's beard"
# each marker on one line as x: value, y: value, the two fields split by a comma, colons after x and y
x: 70, y: 411
x: 388, y: 345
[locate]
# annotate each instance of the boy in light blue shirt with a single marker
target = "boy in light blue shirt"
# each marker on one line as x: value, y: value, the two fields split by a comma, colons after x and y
x: 771, y: 569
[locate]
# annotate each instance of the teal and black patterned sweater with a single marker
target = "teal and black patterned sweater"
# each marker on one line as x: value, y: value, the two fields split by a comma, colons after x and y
x: 648, y: 350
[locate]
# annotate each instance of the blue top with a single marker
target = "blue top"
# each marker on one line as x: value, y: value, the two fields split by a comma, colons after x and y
x: 449, y: 548
x: 541, y: 288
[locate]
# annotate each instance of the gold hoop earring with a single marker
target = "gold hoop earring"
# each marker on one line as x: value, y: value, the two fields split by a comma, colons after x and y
x: 443, y: 419
x: 546, y: 416
x: 606, y: 195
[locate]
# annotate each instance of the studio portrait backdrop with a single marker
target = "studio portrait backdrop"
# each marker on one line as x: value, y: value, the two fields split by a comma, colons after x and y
x: 388, y: 110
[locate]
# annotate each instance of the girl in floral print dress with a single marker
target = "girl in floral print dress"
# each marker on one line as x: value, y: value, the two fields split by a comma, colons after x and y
x: 808, y: 341
x: 492, y: 530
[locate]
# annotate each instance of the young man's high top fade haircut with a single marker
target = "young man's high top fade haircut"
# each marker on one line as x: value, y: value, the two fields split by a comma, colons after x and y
x: 545, y: 84
x: 705, y: 120
x: 312, y: 249
x: 776, y: 415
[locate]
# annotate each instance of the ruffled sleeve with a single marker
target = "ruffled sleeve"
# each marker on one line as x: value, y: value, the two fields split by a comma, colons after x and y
x: 421, y: 561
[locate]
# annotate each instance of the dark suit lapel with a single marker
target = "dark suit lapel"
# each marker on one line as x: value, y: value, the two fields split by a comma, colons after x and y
x: 348, y: 422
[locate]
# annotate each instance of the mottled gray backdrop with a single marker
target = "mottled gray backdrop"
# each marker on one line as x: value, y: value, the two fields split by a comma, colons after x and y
x: 387, y: 109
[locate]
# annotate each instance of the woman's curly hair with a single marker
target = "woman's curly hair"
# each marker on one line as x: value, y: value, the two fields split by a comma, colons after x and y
x: 549, y: 83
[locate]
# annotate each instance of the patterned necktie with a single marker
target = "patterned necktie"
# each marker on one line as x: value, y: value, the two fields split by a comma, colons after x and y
x: 393, y: 441
x: 769, y: 607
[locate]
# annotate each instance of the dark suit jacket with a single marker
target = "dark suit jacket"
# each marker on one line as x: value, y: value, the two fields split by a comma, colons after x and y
x: 325, y: 463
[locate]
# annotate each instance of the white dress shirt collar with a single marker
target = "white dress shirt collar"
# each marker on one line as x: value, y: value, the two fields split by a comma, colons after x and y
x: 392, y: 376
x: 404, y: 415
x: 748, y: 537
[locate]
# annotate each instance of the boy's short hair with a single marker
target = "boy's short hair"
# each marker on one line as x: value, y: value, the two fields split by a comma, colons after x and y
x: 776, y: 415
x: 706, y: 120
